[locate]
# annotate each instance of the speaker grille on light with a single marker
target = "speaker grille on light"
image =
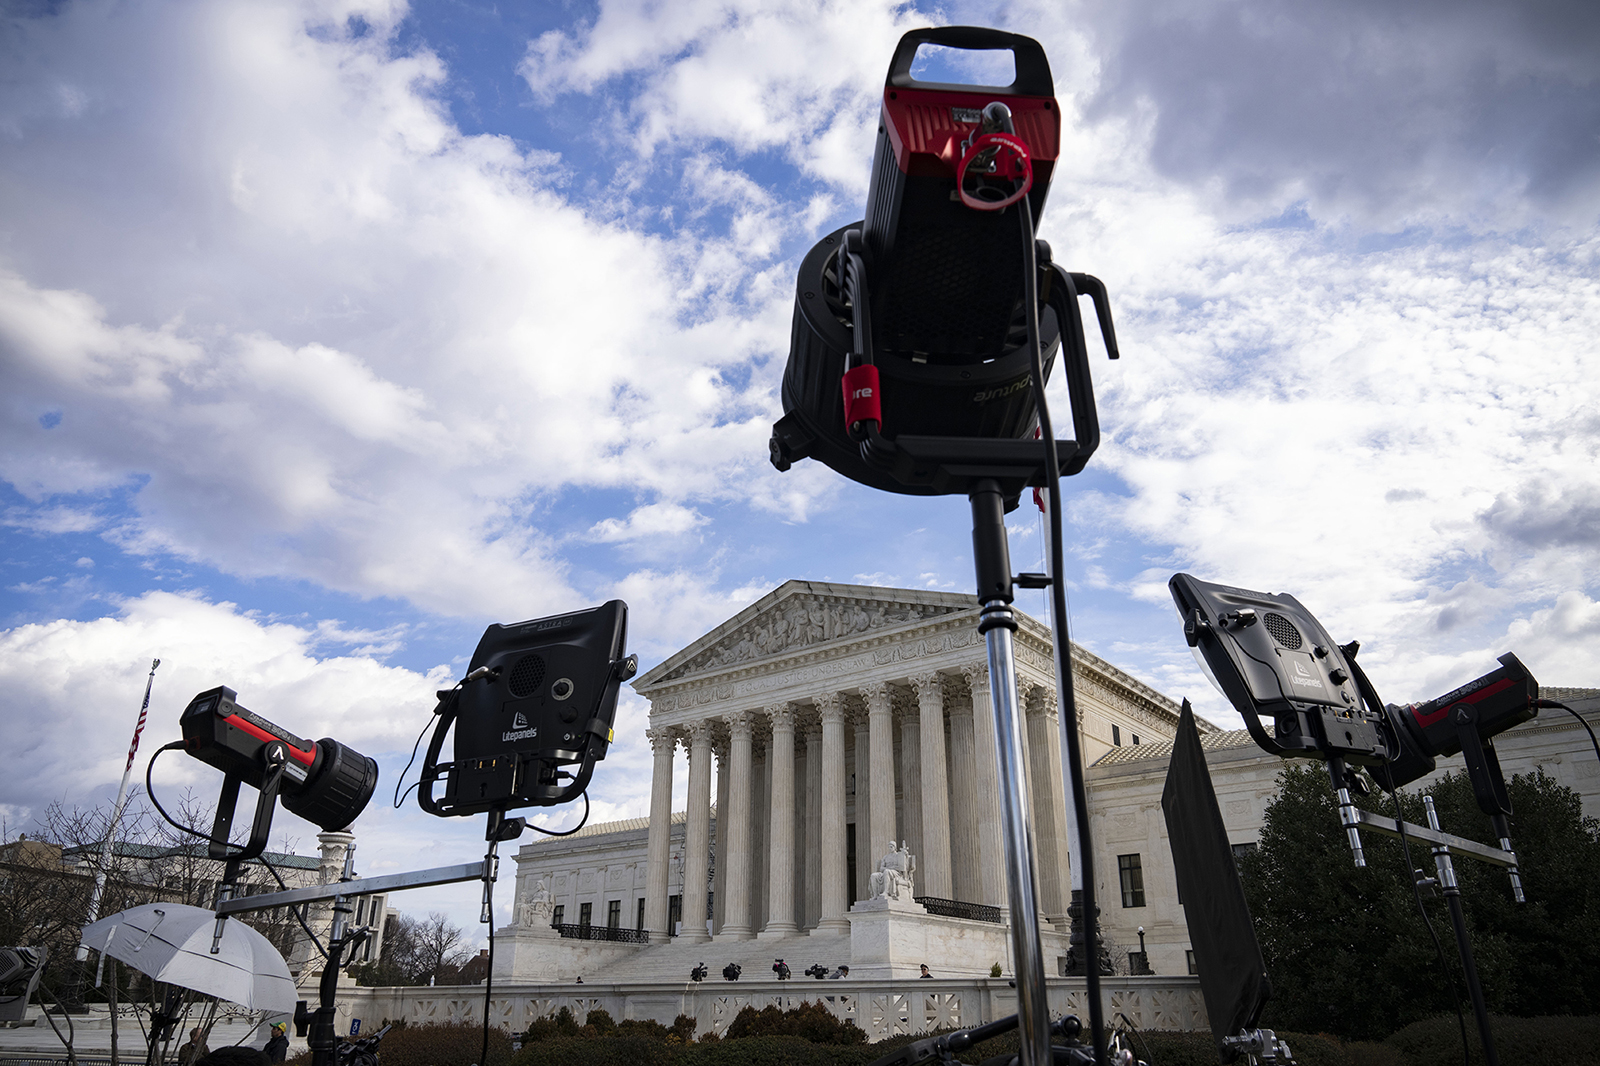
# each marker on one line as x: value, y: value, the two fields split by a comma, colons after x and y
x: 1283, y: 631
x: 527, y: 676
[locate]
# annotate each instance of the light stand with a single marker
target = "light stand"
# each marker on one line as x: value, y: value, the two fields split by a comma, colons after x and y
x: 1452, y: 897
x: 317, y: 1026
x: 997, y: 622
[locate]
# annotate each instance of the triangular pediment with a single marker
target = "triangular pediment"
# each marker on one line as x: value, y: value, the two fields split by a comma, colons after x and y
x: 800, y: 616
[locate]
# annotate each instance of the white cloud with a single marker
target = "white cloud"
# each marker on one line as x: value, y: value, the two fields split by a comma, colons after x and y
x: 651, y: 520
x: 74, y: 690
x: 360, y: 347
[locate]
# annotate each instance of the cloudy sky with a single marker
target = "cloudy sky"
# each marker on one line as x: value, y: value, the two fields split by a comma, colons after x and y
x: 332, y: 332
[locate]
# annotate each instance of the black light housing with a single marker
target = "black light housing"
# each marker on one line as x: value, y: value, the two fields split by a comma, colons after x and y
x: 1301, y: 694
x: 325, y: 782
x: 928, y: 292
x: 534, y: 714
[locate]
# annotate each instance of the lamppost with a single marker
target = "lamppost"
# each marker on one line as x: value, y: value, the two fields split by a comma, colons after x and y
x: 1140, y: 961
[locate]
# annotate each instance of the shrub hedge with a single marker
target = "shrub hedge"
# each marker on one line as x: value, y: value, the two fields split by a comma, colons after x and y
x: 755, y: 1039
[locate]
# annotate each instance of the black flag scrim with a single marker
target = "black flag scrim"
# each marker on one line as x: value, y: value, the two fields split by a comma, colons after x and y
x: 1233, y: 977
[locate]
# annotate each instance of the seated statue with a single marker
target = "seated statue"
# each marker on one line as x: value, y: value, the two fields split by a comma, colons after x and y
x: 893, y: 877
x: 535, y: 907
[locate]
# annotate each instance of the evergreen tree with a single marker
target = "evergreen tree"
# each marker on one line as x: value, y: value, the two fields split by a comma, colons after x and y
x: 1346, y: 948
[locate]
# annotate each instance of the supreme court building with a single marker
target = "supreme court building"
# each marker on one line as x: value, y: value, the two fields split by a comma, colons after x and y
x: 826, y: 721
x: 835, y: 723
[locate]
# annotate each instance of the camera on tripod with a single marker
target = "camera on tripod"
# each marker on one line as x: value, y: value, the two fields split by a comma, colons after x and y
x: 533, y: 715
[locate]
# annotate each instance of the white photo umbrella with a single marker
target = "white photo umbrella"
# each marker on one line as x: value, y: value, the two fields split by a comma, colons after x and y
x: 171, y: 943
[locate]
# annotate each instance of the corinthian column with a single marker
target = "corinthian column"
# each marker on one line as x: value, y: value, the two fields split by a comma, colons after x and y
x: 880, y: 724
x: 862, y: 721
x: 658, y: 847
x: 697, y: 845
x: 834, y: 866
x: 964, y: 858
x: 735, y: 909
x: 813, y: 845
x: 1048, y: 803
x: 719, y: 844
x: 780, y: 883
x: 986, y: 764
x: 933, y: 865
x: 910, y: 774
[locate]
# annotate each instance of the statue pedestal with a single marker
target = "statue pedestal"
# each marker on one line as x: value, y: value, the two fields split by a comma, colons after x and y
x: 888, y: 938
x: 523, y: 952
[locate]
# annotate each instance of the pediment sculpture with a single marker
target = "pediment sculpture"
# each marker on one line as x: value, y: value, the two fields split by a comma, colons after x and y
x: 802, y: 623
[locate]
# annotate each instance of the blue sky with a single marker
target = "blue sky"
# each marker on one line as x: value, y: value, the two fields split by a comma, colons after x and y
x: 332, y: 332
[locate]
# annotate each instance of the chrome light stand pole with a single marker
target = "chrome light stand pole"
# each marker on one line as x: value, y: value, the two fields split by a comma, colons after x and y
x: 997, y: 622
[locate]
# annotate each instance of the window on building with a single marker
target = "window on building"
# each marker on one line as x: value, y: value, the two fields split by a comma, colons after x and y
x: 586, y: 914
x: 1189, y: 956
x: 614, y: 914
x: 674, y: 914
x: 1241, y: 850
x: 1131, y: 872
x: 1136, y: 738
x: 1116, y: 736
x: 559, y: 917
x: 640, y: 923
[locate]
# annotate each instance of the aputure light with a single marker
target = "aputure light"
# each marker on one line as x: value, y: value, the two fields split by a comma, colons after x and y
x: 325, y: 782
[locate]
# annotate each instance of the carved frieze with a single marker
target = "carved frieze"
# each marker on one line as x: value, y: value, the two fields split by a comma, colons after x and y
x: 802, y: 622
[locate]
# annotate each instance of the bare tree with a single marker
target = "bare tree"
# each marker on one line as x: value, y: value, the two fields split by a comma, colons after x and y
x: 440, y: 948
x: 47, y: 874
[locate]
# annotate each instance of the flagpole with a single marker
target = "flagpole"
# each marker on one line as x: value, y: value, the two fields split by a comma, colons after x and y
x: 116, y: 810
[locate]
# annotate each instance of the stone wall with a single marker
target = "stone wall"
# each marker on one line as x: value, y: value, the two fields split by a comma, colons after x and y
x: 880, y: 1008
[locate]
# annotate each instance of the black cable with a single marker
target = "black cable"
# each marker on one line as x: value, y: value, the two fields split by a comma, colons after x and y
x: 151, y: 795
x: 298, y: 912
x: 566, y: 832
x: 400, y: 798
x: 1069, y: 707
x: 149, y: 792
x: 1374, y: 703
x: 1444, y: 963
x: 1558, y: 705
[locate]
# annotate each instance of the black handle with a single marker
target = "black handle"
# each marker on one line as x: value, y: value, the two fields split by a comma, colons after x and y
x: 1033, y: 69
x: 1075, y: 363
x: 1095, y: 289
x: 449, y: 703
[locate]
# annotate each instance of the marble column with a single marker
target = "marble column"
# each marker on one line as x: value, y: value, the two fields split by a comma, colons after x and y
x: 733, y: 901
x: 1049, y: 808
x: 965, y: 884
x: 861, y: 719
x: 659, y: 844
x: 910, y: 777
x: 780, y: 892
x: 697, y: 842
x: 813, y: 845
x: 933, y: 865
x: 880, y: 725
x: 832, y: 833
x: 761, y: 793
x: 719, y: 850
x: 986, y: 762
